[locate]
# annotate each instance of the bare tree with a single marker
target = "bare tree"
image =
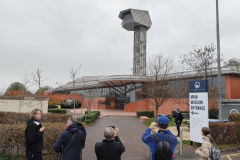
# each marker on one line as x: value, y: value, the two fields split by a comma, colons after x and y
x: 38, y: 81
x: 73, y: 75
x: 83, y: 83
x: 90, y: 97
x: 2, y: 91
x: 202, y: 60
x: 26, y: 83
x: 78, y: 83
x: 158, y: 79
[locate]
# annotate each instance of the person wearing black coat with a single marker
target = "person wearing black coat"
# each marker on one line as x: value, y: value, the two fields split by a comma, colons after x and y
x: 178, y: 121
x: 81, y: 127
x: 70, y: 145
x: 34, y: 136
x: 111, y: 148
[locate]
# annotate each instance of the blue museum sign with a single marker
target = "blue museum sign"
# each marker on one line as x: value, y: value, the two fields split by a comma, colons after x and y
x: 198, y: 86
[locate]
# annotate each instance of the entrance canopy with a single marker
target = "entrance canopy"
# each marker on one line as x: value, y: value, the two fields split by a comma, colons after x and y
x: 91, y: 82
x: 120, y: 80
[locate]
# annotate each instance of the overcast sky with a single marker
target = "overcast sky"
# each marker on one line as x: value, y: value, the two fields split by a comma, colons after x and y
x: 55, y: 35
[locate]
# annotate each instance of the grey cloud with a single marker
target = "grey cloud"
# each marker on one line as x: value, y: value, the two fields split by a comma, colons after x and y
x: 56, y: 35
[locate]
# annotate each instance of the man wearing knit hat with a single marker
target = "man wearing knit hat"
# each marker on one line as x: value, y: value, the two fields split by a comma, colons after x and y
x: 163, y: 134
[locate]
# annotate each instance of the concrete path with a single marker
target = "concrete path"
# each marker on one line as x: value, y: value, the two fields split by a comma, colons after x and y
x: 105, y: 112
x: 131, y: 131
x: 185, y: 131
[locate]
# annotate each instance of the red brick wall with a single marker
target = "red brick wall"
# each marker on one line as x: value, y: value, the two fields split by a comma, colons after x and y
x: 95, y: 102
x: 67, y: 96
x: 235, y: 87
x: 167, y: 108
x: 228, y: 86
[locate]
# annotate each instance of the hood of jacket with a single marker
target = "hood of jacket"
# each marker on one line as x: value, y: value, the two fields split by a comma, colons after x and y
x: 205, y: 138
x: 72, y: 128
x: 31, y: 120
x: 79, y: 124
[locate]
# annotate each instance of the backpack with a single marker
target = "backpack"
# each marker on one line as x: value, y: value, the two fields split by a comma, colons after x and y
x: 215, y: 153
x: 163, y: 149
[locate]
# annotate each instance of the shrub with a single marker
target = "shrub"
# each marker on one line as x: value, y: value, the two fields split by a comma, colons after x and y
x: 234, y: 117
x: 12, y: 138
x: 18, y: 118
x: 149, y: 114
x: 94, y: 111
x: 91, y: 117
x: 213, y: 113
x: 174, y: 112
x: 229, y: 131
x: 59, y: 111
x: 88, y: 121
x: 6, y: 156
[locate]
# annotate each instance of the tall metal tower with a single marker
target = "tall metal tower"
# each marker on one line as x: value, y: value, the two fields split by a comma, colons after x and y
x: 138, y: 21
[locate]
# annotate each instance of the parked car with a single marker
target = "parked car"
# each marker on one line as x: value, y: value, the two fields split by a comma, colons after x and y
x: 69, y: 103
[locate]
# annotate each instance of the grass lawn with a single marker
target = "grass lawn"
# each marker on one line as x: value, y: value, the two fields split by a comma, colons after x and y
x: 171, y: 122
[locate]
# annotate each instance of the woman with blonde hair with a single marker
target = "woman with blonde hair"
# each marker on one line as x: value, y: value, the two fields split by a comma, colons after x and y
x: 208, y: 146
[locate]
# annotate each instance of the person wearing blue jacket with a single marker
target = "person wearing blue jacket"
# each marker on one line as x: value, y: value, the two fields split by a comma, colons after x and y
x: 149, y: 139
x: 70, y: 149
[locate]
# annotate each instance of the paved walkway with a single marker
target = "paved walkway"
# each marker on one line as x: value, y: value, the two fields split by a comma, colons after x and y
x: 131, y: 131
x: 185, y: 131
x: 106, y: 112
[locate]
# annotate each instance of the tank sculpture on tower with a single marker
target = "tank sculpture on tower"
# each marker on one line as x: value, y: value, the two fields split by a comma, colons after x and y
x: 138, y: 21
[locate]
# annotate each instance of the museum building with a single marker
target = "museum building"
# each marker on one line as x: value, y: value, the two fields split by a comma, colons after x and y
x: 126, y: 92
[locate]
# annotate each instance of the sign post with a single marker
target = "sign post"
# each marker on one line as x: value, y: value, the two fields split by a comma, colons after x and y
x: 198, y: 109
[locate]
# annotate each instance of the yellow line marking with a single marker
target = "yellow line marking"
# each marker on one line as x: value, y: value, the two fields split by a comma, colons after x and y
x: 229, y: 157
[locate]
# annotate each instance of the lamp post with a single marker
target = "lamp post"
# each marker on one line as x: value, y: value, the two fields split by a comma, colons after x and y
x: 219, y: 65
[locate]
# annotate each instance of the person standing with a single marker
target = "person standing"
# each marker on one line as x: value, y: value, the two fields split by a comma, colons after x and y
x: 34, y: 136
x: 111, y: 147
x: 178, y: 120
x: 208, y: 145
x: 70, y: 142
x: 81, y: 128
x: 163, y: 135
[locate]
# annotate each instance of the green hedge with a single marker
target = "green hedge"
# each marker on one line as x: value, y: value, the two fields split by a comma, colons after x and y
x: 174, y: 112
x: 234, y: 117
x: 91, y: 117
x: 149, y: 114
x: 93, y: 111
x: 59, y: 111
x: 88, y: 121
x: 7, y: 156
x: 213, y: 113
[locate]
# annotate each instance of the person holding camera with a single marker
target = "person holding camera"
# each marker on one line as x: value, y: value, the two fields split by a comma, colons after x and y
x: 111, y: 147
